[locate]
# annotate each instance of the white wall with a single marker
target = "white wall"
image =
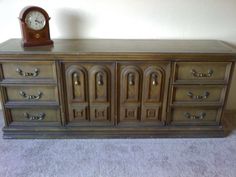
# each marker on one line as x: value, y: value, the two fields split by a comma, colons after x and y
x: 175, y: 19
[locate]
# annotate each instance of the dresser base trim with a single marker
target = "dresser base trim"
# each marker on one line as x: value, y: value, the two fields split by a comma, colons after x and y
x: 115, y: 133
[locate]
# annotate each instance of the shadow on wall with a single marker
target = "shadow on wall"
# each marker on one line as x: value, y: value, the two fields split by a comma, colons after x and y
x: 71, y: 23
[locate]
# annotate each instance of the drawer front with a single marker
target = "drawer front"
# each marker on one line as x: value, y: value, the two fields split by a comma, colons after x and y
x: 195, y: 116
x: 202, y: 71
x: 199, y: 94
x: 28, y: 70
x: 34, y: 115
x: 32, y: 93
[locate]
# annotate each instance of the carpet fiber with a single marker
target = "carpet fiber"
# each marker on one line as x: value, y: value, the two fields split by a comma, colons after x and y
x: 210, y: 157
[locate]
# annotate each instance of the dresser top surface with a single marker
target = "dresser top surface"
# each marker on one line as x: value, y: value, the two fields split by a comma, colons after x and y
x: 87, y: 46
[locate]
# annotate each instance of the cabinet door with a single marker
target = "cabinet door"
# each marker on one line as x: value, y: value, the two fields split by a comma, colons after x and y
x: 99, y: 93
x: 90, y: 93
x: 130, y: 93
x: 142, y: 94
x: 152, y: 93
x: 77, y: 95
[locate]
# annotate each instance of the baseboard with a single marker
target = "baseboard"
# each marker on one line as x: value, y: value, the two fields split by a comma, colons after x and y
x: 161, y: 132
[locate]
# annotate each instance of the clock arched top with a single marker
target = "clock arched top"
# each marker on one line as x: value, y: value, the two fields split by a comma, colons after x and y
x: 28, y: 9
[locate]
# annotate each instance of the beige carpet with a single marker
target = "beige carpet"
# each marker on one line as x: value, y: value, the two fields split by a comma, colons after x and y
x: 120, y: 157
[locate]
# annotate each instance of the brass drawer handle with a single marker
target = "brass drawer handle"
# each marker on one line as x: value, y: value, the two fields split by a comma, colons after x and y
x: 200, y: 116
x: 131, y: 79
x: 40, y: 116
x: 196, y: 74
x: 154, y: 79
x: 31, y: 97
x: 28, y: 74
x: 76, y: 79
x: 198, y: 97
x: 100, y: 78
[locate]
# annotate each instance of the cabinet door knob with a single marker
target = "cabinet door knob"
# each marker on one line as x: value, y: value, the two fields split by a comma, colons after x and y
x: 200, y: 75
x: 200, y: 116
x: 31, y: 97
x: 198, y: 97
x: 99, y: 78
x: 154, y: 79
x: 131, y: 79
x: 76, y: 79
x: 35, y: 73
x: 40, y: 116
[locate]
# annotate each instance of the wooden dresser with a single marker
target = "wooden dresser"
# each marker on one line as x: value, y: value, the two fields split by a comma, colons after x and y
x: 115, y: 88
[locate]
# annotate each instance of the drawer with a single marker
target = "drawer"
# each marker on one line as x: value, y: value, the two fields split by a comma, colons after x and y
x: 195, y: 116
x: 202, y: 71
x: 198, y: 94
x: 34, y: 116
x: 29, y: 70
x: 32, y: 93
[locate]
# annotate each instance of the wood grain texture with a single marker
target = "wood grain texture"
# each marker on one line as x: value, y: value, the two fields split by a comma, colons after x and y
x: 32, y: 93
x: 90, y: 93
x: 202, y: 72
x: 116, y: 88
x: 109, y: 46
x: 199, y: 94
x: 195, y: 116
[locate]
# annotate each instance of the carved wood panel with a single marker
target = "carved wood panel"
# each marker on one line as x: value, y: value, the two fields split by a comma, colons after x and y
x: 99, y: 113
x: 129, y: 113
x: 152, y: 93
x: 141, y: 93
x: 99, y: 94
x: 150, y: 113
x: 89, y: 90
x: 80, y: 113
x: 152, y: 87
x: 131, y: 80
x: 130, y: 93
x: 76, y: 82
x: 99, y: 80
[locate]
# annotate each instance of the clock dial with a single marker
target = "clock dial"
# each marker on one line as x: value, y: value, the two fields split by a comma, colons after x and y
x: 35, y: 20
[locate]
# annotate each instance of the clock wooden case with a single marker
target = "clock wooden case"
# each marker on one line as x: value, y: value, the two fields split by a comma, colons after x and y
x: 35, y: 32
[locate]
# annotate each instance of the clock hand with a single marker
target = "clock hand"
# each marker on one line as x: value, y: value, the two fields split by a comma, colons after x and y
x: 38, y: 21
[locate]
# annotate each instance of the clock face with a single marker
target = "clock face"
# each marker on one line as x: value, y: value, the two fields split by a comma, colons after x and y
x: 35, y: 20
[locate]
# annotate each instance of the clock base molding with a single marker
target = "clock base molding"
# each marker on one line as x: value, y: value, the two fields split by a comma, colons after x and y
x: 116, y: 88
x: 34, y: 44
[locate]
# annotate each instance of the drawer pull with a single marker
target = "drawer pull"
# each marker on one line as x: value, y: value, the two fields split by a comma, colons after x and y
x: 76, y: 79
x: 40, y: 116
x: 100, y: 78
x: 200, y: 116
x: 31, y: 97
x: 198, y: 97
x: 196, y: 74
x: 154, y: 79
x: 131, y: 79
x: 28, y: 74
